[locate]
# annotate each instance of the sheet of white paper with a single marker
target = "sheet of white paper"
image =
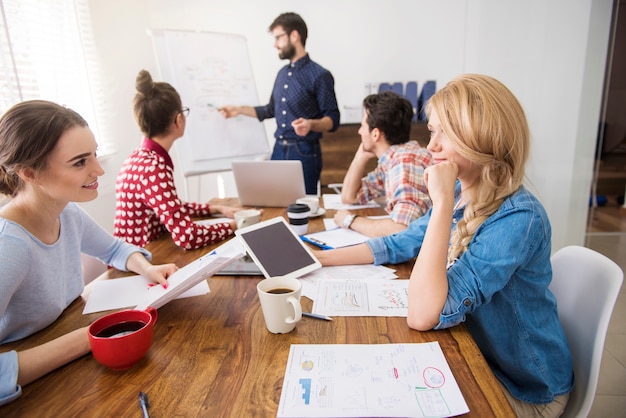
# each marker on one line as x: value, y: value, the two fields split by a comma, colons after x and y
x: 350, y: 272
x: 335, y: 238
x: 369, y: 380
x: 329, y: 223
x: 127, y: 292
x: 333, y: 201
x: 361, y: 298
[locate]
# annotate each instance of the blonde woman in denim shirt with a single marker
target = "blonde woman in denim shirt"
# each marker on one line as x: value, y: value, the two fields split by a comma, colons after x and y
x: 483, y: 250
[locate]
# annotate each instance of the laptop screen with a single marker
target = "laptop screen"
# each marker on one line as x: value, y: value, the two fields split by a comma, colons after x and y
x: 277, y: 250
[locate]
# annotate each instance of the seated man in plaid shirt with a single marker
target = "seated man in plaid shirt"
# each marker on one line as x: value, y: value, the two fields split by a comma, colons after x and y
x: 399, y: 176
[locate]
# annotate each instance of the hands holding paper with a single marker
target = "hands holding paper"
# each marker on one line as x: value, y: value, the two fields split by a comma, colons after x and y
x: 157, y: 273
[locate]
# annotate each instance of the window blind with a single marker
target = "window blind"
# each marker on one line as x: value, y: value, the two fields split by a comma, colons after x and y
x: 48, y: 52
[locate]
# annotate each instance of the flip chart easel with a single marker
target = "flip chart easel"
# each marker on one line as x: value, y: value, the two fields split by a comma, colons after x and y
x: 210, y: 70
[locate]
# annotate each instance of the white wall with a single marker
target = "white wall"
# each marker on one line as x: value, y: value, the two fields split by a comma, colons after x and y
x: 551, y: 54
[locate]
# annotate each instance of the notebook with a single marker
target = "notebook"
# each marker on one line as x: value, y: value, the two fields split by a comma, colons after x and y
x: 268, y: 183
x: 277, y: 250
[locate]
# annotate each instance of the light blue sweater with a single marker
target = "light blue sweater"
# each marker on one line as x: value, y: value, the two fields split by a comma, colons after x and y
x: 38, y: 281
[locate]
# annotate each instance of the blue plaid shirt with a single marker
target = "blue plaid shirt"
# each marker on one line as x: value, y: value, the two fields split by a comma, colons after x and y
x: 303, y: 89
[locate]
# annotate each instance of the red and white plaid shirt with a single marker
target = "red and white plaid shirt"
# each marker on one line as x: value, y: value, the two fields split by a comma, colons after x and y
x: 399, y: 177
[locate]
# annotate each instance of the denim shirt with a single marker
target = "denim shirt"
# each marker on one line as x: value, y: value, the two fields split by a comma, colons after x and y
x: 302, y: 89
x: 499, y: 287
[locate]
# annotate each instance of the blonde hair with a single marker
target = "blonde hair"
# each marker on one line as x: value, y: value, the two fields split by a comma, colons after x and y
x: 487, y: 125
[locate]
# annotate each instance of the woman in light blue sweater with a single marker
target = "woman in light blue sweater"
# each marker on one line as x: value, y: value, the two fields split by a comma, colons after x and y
x: 47, y: 163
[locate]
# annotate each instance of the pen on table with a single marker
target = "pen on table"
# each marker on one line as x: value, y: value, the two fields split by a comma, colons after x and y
x: 317, y: 242
x: 317, y: 316
x: 143, y: 401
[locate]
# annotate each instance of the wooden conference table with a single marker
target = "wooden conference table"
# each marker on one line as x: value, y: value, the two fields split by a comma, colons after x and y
x: 212, y: 355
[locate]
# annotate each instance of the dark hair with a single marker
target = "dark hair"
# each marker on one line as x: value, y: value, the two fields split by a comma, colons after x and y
x: 29, y: 131
x: 156, y: 104
x: 291, y: 21
x: 391, y: 114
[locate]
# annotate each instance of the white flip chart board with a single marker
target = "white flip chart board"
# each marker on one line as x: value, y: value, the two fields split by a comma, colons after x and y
x: 210, y: 70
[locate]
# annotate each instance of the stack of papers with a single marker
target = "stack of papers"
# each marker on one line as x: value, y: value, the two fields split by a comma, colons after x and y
x: 369, y: 380
x: 187, y: 281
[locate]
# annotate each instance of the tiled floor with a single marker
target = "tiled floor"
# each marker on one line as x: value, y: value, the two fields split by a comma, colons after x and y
x: 610, y: 400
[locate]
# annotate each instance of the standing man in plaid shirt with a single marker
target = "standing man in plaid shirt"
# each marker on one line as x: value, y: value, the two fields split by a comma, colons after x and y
x: 303, y: 101
x: 399, y: 176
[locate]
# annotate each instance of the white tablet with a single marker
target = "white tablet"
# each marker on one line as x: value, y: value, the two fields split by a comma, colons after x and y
x: 277, y: 250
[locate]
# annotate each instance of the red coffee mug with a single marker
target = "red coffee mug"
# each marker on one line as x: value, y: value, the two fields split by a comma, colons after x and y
x: 121, y: 339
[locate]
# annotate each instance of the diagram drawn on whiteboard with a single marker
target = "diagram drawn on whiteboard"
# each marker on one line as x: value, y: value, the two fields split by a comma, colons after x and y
x: 210, y: 70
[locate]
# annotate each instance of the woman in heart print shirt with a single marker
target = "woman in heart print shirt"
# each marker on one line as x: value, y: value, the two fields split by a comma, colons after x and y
x: 147, y: 204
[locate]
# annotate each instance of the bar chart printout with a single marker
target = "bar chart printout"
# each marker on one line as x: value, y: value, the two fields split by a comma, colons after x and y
x: 369, y: 380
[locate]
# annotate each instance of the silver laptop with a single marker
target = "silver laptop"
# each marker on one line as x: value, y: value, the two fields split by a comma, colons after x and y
x: 268, y: 183
x: 277, y: 250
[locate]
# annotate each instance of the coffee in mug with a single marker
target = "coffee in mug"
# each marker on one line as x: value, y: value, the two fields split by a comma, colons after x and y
x: 279, y: 291
x: 120, y: 339
x: 280, y: 303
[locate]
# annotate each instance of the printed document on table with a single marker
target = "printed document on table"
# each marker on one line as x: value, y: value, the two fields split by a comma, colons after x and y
x: 333, y: 201
x: 350, y: 272
x: 369, y: 380
x: 361, y: 298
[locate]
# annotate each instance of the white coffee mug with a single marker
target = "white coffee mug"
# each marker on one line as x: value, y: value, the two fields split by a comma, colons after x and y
x: 280, y: 303
x: 247, y: 217
x: 313, y: 202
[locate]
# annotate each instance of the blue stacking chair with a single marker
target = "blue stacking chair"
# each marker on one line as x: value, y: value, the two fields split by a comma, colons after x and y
x: 410, y: 92
x: 384, y: 87
x: 395, y: 87
x: 428, y: 90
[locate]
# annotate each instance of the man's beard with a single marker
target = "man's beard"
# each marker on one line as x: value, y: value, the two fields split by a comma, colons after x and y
x: 288, y: 52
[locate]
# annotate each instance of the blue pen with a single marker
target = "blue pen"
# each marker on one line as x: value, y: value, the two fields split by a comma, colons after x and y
x: 316, y: 242
x: 317, y: 316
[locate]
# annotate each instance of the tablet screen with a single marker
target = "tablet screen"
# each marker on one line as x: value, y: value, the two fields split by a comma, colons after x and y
x: 277, y: 250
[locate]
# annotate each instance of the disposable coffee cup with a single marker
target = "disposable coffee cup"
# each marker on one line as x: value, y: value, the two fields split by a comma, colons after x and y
x: 298, y: 214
